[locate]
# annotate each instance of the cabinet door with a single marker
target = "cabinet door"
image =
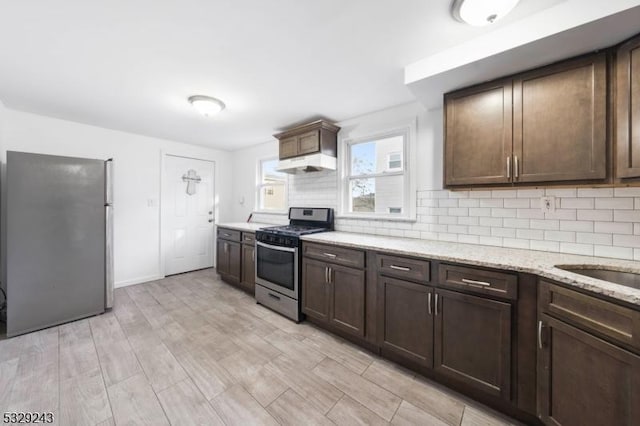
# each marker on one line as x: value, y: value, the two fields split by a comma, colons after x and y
x: 222, y: 257
x: 405, y: 318
x: 315, y: 289
x: 289, y: 147
x: 583, y: 380
x: 347, y: 299
x: 560, y: 122
x: 478, y: 136
x: 248, y: 267
x: 628, y: 110
x: 473, y: 341
x: 235, y: 260
x: 309, y: 142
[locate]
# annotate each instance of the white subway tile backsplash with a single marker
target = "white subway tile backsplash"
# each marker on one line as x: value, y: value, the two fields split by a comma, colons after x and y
x: 573, y: 248
x: 565, y: 236
x: 577, y: 225
x: 588, y: 221
x: 544, y: 224
x: 615, y: 203
x: 595, y: 192
x: 600, y: 215
x: 577, y: 203
x: 594, y: 238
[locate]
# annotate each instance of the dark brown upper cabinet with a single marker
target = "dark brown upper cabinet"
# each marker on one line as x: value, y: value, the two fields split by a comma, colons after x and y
x: 546, y: 126
x: 628, y: 109
x: 478, y: 135
x: 560, y: 122
x: 319, y: 136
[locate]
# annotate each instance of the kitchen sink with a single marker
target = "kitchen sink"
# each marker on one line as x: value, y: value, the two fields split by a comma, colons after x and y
x: 628, y: 279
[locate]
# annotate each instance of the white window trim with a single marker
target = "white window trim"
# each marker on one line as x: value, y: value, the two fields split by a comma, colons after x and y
x: 409, y: 131
x: 259, y: 186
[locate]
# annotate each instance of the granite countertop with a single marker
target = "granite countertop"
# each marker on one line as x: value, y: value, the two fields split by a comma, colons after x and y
x: 529, y: 261
x: 244, y: 226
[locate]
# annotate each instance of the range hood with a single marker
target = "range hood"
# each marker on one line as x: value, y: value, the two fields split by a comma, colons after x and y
x: 307, y: 163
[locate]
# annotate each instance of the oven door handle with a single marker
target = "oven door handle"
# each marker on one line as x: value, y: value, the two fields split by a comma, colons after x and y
x: 278, y: 248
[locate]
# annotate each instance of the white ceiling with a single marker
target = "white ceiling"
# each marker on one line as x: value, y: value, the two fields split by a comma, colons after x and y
x: 130, y: 65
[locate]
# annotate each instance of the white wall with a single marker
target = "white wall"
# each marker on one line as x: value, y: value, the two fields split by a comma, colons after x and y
x: 137, y: 180
x: 603, y: 222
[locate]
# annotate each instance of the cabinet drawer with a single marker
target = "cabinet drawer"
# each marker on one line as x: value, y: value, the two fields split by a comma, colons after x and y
x: 479, y: 281
x: 228, y: 234
x: 404, y: 268
x: 334, y: 254
x: 248, y: 238
x: 591, y: 314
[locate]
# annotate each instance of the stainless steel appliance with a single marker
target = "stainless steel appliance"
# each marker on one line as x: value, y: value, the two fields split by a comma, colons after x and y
x: 59, y: 240
x: 278, y: 259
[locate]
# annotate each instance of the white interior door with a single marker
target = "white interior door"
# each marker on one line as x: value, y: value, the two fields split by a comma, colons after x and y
x: 188, y: 214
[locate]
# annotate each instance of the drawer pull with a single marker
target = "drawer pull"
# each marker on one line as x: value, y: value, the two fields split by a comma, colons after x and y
x: 474, y: 282
x: 540, y: 326
x: 226, y: 235
x: 400, y: 268
x: 331, y: 255
x: 273, y: 296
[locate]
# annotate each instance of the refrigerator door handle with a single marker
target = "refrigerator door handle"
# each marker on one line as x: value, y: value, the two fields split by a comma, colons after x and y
x: 109, y: 275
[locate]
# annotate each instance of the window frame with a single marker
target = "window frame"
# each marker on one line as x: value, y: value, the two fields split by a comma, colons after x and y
x: 408, y: 131
x: 260, y: 185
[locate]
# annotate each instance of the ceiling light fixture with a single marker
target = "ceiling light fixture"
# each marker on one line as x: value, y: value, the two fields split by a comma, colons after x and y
x: 206, y: 105
x: 481, y: 12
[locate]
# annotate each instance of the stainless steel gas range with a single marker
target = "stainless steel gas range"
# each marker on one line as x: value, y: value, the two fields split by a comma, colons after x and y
x: 279, y: 261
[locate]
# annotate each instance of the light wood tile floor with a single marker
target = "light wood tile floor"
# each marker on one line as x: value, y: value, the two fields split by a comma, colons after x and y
x: 192, y: 350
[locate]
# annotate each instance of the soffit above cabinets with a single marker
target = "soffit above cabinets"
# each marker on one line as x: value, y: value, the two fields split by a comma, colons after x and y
x: 571, y: 28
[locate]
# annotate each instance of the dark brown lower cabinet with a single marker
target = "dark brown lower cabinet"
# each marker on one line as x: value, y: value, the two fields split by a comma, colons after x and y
x: 583, y: 380
x: 347, y: 293
x: 248, y: 281
x: 405, y: 319
x: 229, y: 258
x: 315, y: 289
x: 472, y: 341
x: 334, y: 294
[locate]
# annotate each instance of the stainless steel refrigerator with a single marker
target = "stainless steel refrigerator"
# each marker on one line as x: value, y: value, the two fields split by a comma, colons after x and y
x: 59, y: 240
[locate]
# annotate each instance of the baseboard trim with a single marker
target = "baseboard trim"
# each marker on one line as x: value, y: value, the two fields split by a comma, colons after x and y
x: 139, y: 280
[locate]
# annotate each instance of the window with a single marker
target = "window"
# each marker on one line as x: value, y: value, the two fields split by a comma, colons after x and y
x: 272, y: 186
x: 375, y: 176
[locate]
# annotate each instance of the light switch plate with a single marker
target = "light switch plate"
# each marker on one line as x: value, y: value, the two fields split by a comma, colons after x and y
x: 548, y: 204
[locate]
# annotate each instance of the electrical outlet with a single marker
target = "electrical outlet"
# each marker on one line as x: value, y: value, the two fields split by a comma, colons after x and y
x: 548, y: 204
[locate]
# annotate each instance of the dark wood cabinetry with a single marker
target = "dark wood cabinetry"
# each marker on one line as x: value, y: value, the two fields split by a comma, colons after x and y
x: 628, y: 109
x: 235, y: 258
x: 583, y: 380
x: 333, y: 293
x: 248, y: 281
x: 317, y: 137
x: 560, y: 122
x: 544, y: 126
x: 478, y: 135
x: 473, y: 341
x: 405, y: 316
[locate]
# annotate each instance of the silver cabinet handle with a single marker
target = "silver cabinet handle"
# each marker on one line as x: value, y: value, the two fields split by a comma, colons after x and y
x: 326, y: 274
x: 509, y: 167
x: 540, y: 325
x: 436, y: 307
x: 330, y: 275
x: 331, y: 255
x: 474, y: 282
x: 429, y: 303
x: 400, y: 268
x: 253, y: 255
x: 517, y: 166
x: 226, y: 247
x: 226, y: 235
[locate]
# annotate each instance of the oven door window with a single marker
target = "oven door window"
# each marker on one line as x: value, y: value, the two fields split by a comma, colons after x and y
x: 276, y: 266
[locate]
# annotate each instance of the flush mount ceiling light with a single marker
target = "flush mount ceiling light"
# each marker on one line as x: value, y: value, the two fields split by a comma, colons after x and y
x: 206, y: 105
x: 481, y: 12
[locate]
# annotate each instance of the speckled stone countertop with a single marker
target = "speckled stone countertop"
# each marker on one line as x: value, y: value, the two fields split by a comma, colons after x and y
x: 529, y: 261
x: 244, y: 226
